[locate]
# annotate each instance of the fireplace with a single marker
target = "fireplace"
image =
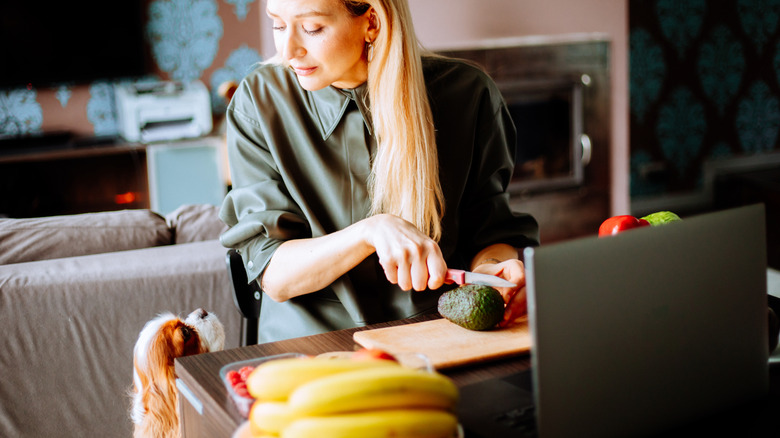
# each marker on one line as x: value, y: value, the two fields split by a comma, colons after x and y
x: 552, y: 149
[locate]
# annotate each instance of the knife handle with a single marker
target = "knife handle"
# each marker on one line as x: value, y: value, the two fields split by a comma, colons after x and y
x: 457, y: 276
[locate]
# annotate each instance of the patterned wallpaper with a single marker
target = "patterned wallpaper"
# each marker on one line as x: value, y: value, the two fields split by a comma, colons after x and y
x: 210, y: 40
x: 704, y: 84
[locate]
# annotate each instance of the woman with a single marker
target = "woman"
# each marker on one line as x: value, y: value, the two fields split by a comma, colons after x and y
x: 362, y: 170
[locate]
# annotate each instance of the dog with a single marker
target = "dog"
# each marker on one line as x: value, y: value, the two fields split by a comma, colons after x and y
x: 163, y: 339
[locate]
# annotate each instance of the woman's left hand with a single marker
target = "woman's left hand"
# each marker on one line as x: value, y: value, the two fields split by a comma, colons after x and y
x: 511, y: 270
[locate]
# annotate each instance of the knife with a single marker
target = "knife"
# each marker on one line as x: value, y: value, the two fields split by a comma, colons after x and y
x: 461, y: 277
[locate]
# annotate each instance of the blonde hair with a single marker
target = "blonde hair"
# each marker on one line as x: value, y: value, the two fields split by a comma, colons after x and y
x: 404, y: 177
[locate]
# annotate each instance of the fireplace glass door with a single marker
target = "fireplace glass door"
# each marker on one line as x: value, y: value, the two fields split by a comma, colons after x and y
x: 551, y: 148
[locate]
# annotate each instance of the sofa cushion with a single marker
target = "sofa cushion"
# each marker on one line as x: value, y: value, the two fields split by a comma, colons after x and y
x: 23, y: 240
x: 194, y: 223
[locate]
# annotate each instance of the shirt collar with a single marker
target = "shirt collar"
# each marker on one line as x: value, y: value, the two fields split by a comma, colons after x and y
x: 330, y: 105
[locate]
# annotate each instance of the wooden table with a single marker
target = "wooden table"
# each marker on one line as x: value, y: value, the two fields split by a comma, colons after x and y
x: 206, y: 409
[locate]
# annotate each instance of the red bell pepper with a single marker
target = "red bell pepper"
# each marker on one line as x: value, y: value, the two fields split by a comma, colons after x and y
x: 617, y: 224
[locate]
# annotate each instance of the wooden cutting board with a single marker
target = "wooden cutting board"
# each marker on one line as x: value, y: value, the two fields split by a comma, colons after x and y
x: 447, y: 344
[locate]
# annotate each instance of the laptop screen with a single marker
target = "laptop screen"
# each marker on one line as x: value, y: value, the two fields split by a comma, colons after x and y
x: 638, y: 332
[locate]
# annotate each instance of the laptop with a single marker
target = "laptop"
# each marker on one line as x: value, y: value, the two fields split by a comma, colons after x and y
x: 638, y: 333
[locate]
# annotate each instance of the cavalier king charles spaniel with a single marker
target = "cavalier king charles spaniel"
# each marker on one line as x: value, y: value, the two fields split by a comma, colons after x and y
x: 163, y: 339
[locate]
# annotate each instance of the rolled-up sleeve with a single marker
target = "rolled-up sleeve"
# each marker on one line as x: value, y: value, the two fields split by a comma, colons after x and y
x: 259, y: 211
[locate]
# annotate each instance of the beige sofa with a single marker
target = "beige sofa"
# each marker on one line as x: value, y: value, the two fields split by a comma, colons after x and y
x: 75, y: 292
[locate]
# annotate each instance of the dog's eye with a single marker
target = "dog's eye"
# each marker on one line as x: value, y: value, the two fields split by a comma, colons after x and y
x: 185, y: 332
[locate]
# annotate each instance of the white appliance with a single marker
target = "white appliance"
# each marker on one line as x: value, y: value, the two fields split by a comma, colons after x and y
x: 163, y: 111
x: 186, y: 172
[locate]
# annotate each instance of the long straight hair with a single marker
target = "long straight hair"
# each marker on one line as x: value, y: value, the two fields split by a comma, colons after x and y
x: 404, y: 176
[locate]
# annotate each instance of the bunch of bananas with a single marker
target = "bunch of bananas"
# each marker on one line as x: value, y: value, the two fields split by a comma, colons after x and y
x: 323, y: 398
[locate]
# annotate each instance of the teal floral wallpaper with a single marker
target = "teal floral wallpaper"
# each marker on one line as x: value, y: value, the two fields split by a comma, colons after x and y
x: 20, y: 112
x: 210, y: 40
x: 704, y: 84
x: 184, y: 36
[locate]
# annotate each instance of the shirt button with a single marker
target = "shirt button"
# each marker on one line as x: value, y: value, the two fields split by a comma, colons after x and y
x: 250, y: 265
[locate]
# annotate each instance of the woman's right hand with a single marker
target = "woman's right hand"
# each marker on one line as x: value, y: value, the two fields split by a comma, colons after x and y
x: 410, y: 259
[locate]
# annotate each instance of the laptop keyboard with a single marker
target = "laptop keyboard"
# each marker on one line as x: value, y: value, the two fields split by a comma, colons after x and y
x: 522, y: 420
x: 498, y: 407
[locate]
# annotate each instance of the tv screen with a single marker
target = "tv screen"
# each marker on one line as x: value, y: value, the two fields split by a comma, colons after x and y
x: 47, y: 43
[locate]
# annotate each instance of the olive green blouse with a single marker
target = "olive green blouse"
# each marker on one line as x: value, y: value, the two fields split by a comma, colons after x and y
x: 300, y: 161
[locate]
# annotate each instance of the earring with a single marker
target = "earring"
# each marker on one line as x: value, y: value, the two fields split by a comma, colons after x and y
x: 370, y: 51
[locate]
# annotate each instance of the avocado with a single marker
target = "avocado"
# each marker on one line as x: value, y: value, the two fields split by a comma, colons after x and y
x: 472, y: 306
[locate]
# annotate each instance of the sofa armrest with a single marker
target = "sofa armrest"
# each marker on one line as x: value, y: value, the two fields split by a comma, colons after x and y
x: 32, y: 239
x: 70, y: 325
x: 195, y: 222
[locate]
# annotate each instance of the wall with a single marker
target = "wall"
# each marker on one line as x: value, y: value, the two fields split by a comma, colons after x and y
x: 439, y: 24
x: 705, y: 94
x: 227, y: 33
x: 452, y: 23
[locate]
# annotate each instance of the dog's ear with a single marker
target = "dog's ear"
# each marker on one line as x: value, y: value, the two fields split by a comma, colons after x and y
x: 158, y: 382
x: 167, y: 345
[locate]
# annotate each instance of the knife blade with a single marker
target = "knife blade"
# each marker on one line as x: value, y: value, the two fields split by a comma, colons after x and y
x: 460, y: 277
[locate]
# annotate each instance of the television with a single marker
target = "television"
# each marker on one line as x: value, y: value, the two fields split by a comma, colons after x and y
x: 47, y: 43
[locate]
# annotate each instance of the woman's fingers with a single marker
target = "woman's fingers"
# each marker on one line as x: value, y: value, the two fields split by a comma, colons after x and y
x: 412, y: 274
x: 409, y: 258
x: 514, y: 298
x: 516, y: 308
x: 437, y: 271
x: 420, y: 275
x: 391, y: 272
x: 404, y: 276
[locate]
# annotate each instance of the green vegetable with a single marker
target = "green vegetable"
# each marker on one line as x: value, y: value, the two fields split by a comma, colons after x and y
x: 472, y: 306
x: 661, y: 217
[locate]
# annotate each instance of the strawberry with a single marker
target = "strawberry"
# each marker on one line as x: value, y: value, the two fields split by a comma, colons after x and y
x: 241, y: 390
x: 245, y: 371
x: 233, y: 377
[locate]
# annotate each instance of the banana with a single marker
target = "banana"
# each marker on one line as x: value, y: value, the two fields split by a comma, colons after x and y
x: 374, y: 388
x: 276, y: 379
x: 406, y: 423
x: 269, y: 418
